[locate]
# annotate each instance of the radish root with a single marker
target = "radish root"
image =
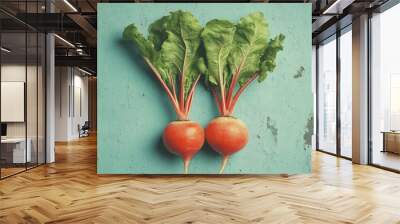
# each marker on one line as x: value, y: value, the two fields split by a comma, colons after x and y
x: 186, y: 163
x: 224, y: 162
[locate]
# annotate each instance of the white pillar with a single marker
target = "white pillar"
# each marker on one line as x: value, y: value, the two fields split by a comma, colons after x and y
x: 50, y: 100
x: 50, y: 92
x: 360, y: 90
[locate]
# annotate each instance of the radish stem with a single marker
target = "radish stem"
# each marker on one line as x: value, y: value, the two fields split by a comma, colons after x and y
x: 224, y: 162
x: 232, y: 87
x: 182, y: 93
x: 171, y: 80
x: 182, y: 115
x: 190, y: 96
x: 239, y: 92
x: 164, y: 85
x: 215, y: 94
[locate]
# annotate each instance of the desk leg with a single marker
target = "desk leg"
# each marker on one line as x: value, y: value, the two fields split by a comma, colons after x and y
x: 384, y: 142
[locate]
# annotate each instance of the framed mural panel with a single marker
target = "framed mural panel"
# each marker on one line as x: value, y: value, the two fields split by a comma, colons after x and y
x: 216, y: 52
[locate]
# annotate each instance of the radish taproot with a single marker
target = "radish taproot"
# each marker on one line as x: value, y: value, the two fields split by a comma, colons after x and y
x: 171, y: 50
x: 235, y: 55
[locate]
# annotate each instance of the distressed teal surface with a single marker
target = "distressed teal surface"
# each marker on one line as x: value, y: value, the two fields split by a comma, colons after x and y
x: 133, y: 109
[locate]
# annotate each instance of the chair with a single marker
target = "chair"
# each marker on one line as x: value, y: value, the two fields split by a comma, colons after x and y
x: 84, y: 129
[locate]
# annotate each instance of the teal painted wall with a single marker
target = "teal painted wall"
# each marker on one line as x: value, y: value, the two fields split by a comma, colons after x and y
x: 133, y: 110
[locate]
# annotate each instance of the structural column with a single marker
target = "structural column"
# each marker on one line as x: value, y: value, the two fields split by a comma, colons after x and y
x: 50, y: 92
x: 360, y: 90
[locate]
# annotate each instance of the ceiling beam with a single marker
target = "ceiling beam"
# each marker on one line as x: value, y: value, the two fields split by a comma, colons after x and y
x: 83, y: 61
x: 86, y: 27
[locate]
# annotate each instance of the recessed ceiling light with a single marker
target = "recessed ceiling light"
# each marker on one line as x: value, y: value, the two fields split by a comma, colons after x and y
x: 5, y: 50
x: 337, y: 7
x: 70, y: 5
x: 65, y: 41
x: 84, y: 71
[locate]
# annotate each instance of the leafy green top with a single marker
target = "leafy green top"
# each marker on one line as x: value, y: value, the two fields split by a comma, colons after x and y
x: 179, y: 50
x: 172, y: 52
x: 236, y: 54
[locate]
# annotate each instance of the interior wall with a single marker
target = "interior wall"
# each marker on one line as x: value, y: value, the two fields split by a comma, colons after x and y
x: 62, y: 81
x: 71, y: 102
x: 80, y: 109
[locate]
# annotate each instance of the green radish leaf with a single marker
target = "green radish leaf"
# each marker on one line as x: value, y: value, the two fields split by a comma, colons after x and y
x: 268, y: 64
x: 217, y: 38
x: 180, y: 50
x: 157, y: 32
x: 236, y: 54
x: 146, y: 48
x: 249, y: 44
x: 172, y: 47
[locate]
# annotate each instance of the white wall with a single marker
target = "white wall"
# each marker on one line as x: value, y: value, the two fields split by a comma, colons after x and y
x: 80, y: 109
x: 62, y: 82
x: 70, y: 109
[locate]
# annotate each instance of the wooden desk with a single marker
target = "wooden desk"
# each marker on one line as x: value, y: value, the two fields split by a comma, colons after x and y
x: 391, y: 141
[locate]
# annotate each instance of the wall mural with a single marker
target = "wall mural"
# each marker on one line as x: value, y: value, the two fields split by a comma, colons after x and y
x: 158, y: 63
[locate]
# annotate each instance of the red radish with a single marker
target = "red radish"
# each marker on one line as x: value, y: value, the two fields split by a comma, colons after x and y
x: 184, y: 138
x: 226, y: 135
x: 171, y: 50
x: 235, y: 55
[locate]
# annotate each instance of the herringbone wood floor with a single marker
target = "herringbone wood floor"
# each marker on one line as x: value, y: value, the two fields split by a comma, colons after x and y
x: 70, y: 191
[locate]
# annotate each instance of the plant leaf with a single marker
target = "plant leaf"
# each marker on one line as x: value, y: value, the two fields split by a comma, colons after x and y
x: 157, y: 32
x: 268, y: 64
x: 249, y: 44
x: 235, y: 55
x: 172, y: 46
x: 146, y: 48
x: 217, y: 38
x: 180, y: 50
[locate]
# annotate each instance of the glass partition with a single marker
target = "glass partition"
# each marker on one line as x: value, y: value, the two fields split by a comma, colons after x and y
x: 385, y: 89
x: 31, y: 100
x: 22, y: 77
x: 327, y: 96
x: 14, y: 153
x: 346, y: 93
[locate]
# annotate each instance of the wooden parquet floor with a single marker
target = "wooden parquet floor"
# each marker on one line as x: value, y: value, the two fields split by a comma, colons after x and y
x: 70, y: 191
